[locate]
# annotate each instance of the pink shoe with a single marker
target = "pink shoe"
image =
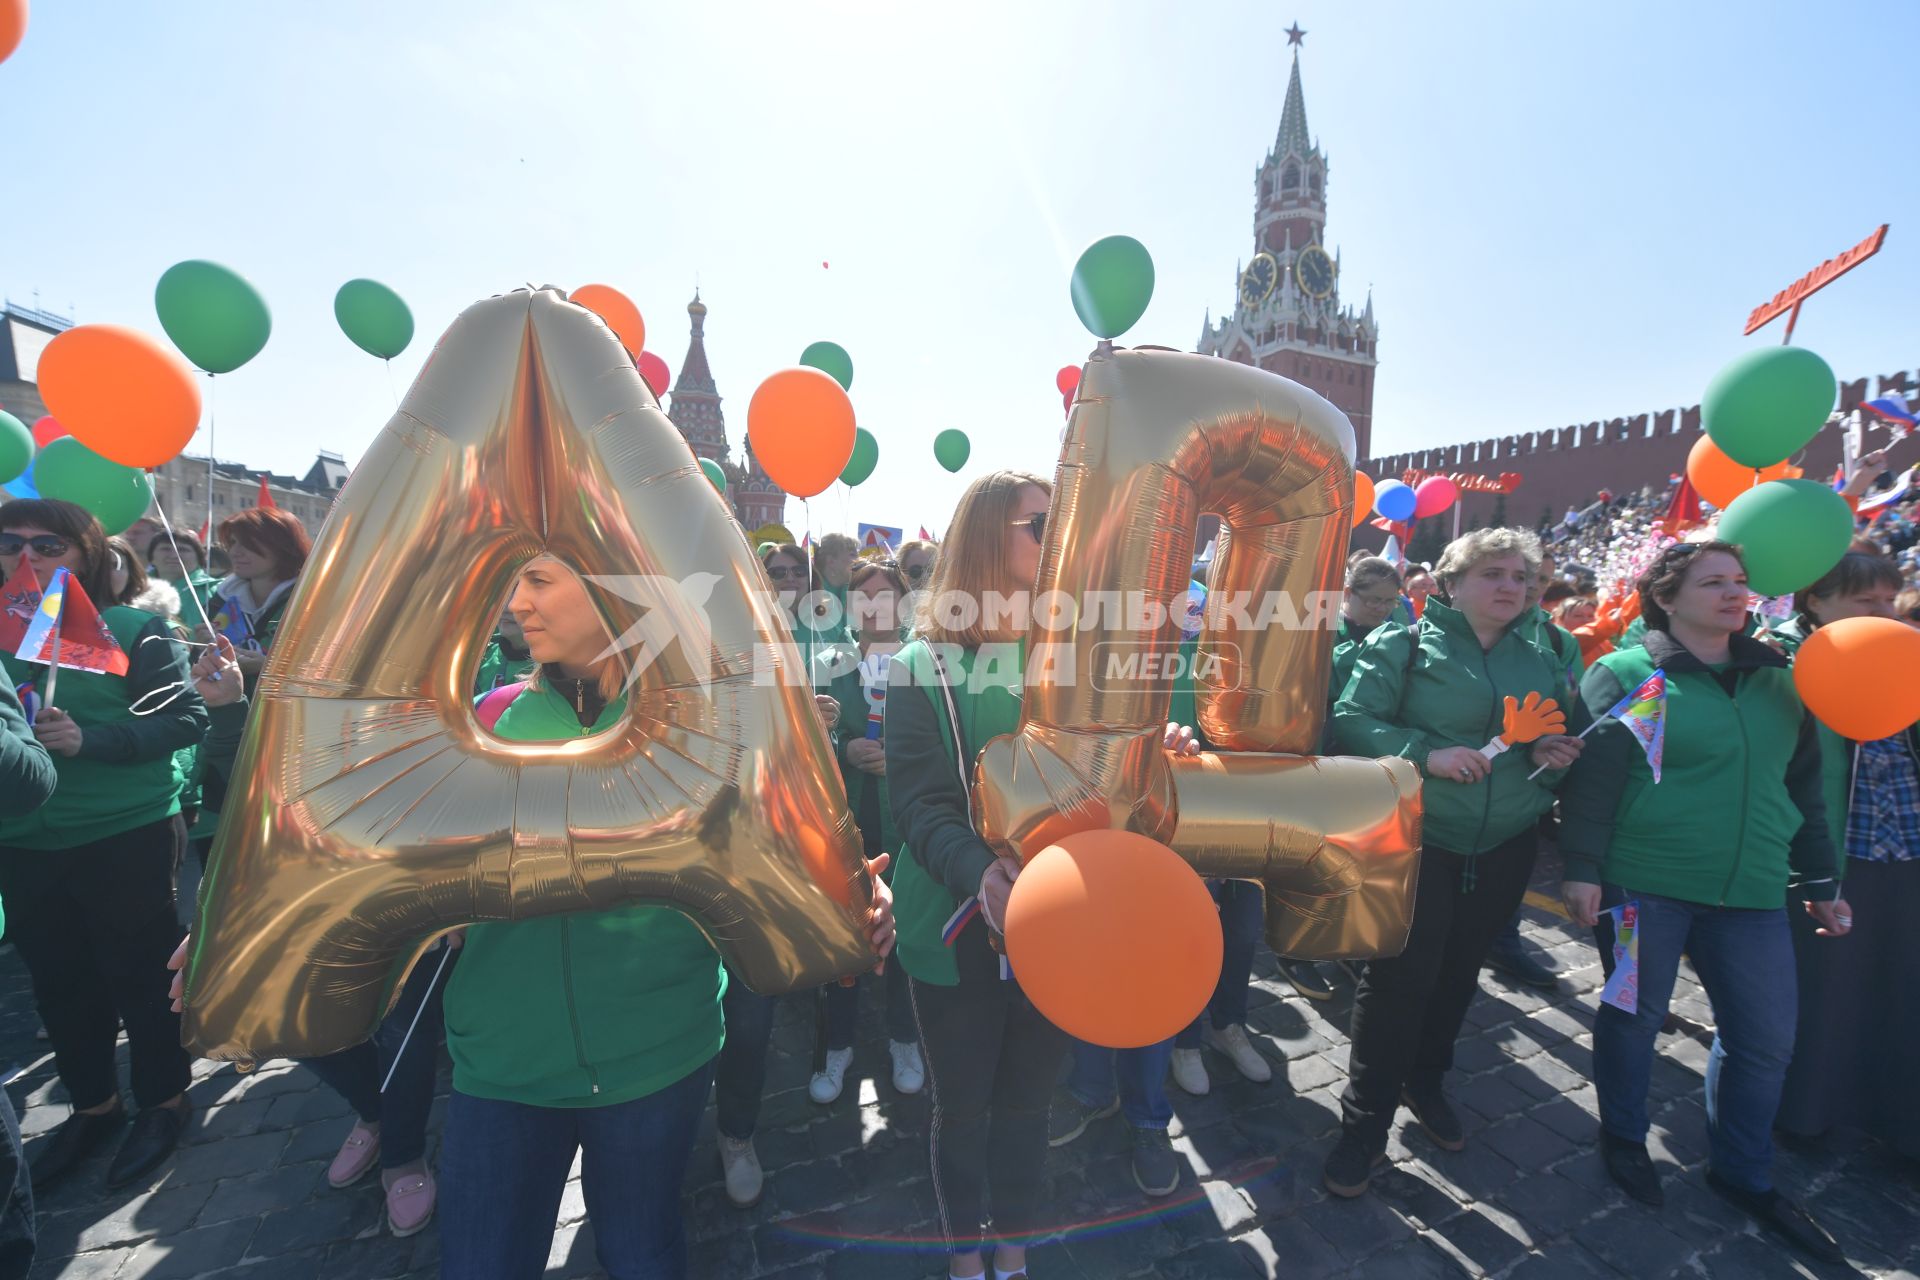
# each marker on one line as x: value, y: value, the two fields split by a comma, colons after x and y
x: 357, y: 1155
x: 410, y: 1204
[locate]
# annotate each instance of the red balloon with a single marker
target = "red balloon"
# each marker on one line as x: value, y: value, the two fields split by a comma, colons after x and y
x: 1068, y: 379
x: 656, y: 373
x: 1066, y: 400
x: 46, y: 431
x: 1434, y: 495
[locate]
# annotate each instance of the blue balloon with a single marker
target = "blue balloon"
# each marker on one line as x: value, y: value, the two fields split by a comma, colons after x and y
x: 22, y: 485
x: 1394, y: 500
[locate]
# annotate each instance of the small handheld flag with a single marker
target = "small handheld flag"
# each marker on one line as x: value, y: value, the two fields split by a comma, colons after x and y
x: 66, y: 631
x: 1644, y: 712
x: 1893, y: 411
x: 873, y: 683
x: 1623, y: 987
x: 19, y: 601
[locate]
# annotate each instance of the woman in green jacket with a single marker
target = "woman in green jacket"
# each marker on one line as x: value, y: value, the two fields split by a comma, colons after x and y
x: 1434, y: 694
x: 269, y: 547
x: 1856, y: 1050
x: 181, y: 562
x: 991, y: 1057
x: 90, y: 874
x: 591, y: 1033
x: 856, y: 676
x: 1704, y: 857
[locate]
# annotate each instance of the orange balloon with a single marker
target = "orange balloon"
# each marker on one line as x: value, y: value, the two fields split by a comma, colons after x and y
x: 13, y: 25
x: 1362, y: 497
x: 1857, y: 677
x: 1114, y: 938
x: 800, y: 425
x: 617, y: 309
x: 1719, y: 479
x: 120, y: 393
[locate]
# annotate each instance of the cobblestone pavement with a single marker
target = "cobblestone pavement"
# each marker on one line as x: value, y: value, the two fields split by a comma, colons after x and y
x: 848, y: 1193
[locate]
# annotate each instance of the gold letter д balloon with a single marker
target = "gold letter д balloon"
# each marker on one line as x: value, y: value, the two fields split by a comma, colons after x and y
x: 370, y: 811
x: 1156, y: 438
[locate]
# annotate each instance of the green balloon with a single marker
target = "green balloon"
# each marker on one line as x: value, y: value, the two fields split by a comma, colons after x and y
x: 217, y: 319
x: 831, y: 359
x: 952, y: 448
x: 866, y: 455
x: 71, y: 472
x: 1792, y: 532
x: 1765, y: 406
x: 16, y: 447
x: 1112, y: 284
x: 374, y: 317
x: 715, y: 476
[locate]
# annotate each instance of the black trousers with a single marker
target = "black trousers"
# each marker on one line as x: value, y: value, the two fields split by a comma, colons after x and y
x: 95, y: 924
x: 991, y: 1064
x: 16, y: 1184
x: 1408, y: 1010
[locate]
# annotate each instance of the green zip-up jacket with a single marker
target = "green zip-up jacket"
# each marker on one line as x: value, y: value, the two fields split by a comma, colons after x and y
x: 195, y: 588
x: 498, y: 667
x: 837, y: 671
x: 584, y: 1010
x: 1836, y: 752
x: 1417, y: 690
x: 1737, y: 814
x: 941, y: 860
x: 27, y: 775
x: 1538, y: 626
x: 125, y: 775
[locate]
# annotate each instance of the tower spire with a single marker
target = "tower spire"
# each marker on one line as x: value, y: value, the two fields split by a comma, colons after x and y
x: 1293, y: 136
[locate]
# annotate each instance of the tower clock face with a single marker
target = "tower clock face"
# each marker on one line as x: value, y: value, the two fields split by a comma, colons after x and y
x: 1258, y: 279
x: 1314, y: 271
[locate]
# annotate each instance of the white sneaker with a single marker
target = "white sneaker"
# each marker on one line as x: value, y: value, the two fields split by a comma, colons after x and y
x: 740, y: 1164
x: 909, y: 1072
x: 827, y: 1083
x: 1190, y: 1073
x: 1232, y: 1041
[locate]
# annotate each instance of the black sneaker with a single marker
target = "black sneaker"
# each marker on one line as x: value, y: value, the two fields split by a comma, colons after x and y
x: 1436, y: 1117
x: 75, y: 1139
x: 155, y: 1133
x: 1631, y: 1168
x: 1306, y: 979
x: 1156, y: 1169
x: 1782, y: 1217
x: 1510, y: 957
x: 1070, y: 1117
x: 1350, y: 1165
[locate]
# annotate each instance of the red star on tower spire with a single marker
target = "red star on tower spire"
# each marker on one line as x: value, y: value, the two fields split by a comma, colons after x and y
x: 1294, y: 34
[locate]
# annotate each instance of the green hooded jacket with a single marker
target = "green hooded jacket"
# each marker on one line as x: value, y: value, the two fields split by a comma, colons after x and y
x: 27, y: 775
x: 589, y: 1009
x: 1737, y: 814
x: 1417, y: 690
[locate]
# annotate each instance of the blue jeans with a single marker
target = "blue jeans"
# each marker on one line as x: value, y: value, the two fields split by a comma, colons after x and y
x: 1745, y: 961
x: 357, y: 1073
x: 1242, y: 912
x: 1139, y: 1075
x: 503, y: 1169
x: 740, y: 1072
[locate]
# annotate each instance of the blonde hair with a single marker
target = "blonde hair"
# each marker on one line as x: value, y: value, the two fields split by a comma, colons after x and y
x: 611, y: 678
x: 1468, y: 550
x: 973, y: 560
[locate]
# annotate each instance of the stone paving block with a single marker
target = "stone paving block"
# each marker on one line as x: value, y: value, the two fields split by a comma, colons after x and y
x: 1210, y: 1211
x: 809, y: 1187
x: 1544, y: 1076
x: 1493, y: 1095
x: 226, y: 1159
x: 1485, y: 1246
x: 1562, y: 1261
x: 187, y: 1255
x: 726, y: 1255
x: 318, y: 1141
x: 1476, y: 1053
x: 1530, y: 1145
x: 1119, y: 1253
x: 254, y: 1194
x: 1549, y: 1204
x: 1415, y: 1259
x: 102, y: 1264
x: 369, y: 1257
x: 1212, y: 1260
x: 1566, y: 1117
x: 1748, y: 1257
x: 1645, y: 1250
x: 290, y: 1110
x: 1361, y: 1227
x: 305, y: 1265
x: 1291, y: 1248
x: 228, y: 1120
x: 339, y: 1216
x: 1475, y: 1174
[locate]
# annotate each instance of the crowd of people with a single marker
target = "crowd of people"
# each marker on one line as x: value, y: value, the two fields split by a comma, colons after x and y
x: 605, y: 1034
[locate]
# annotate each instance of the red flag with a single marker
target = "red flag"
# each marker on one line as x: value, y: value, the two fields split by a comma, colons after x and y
x: 265, y: 499
x: 206, y: 531
x: 85, y: 642
x: 924, y: 535
x: 1683, y: 510
x: 19, y: 601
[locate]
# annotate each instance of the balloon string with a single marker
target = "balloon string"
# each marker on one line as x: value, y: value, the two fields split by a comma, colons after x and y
x: 392, y: 387
x: 408, y: 1038
x: 213, y: 392
x: 166, y: 522
x: 174, y: 691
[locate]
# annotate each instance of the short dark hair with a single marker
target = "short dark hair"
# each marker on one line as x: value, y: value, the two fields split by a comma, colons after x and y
x: 1668, y: 573
x: 186, y: 539
x: 120, y: 549
x: 77, y: 525
x: 275, y: 533
x: 1856, y: 571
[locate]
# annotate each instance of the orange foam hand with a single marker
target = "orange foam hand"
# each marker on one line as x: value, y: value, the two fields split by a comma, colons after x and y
x: 1532, y: 720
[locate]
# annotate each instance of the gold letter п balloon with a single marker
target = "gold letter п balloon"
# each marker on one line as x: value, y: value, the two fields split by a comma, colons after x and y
x: 370, y: 811
x: 1156, y: 438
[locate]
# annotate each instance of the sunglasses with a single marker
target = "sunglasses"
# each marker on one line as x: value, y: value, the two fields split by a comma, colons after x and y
x: 916, y: 573
x: 45, y: 545
x: 781, y: 573
x: 1035, y: 524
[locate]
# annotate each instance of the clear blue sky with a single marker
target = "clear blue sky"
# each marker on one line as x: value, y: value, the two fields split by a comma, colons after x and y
x: 1565, y: 211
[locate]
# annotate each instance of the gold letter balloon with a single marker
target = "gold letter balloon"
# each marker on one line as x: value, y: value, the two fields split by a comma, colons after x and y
x: 370, y: 811
x: 1155, y: 439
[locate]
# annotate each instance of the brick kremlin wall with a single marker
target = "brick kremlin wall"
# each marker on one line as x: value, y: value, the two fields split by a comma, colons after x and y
x: 1567, y: 466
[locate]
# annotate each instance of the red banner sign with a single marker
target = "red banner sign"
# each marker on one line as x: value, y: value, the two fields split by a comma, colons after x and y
x: 1790, y: 298
x: 1507, y: 482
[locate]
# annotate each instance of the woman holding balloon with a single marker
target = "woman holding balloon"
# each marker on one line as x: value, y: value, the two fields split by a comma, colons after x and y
x: 1857, y: 1047
x: 1434, y: 693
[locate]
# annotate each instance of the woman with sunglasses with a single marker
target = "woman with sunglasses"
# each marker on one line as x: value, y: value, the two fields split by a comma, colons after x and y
x: 90, y: 874
x: 915, y: 560
x: 1706, y: 857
